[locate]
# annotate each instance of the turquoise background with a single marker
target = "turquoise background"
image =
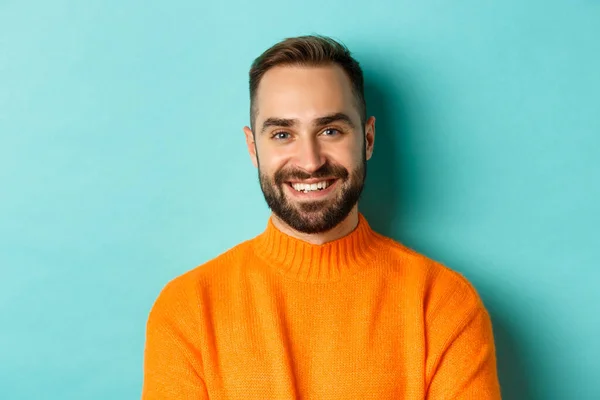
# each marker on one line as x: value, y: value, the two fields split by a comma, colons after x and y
x: 123, y: 165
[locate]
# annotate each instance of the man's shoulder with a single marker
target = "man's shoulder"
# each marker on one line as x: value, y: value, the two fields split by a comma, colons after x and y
x: 185, y: 290
x: 436, y: 278
x: 216, y: 267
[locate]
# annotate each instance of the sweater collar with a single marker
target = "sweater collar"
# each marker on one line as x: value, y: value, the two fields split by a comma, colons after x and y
x: 309, y: 262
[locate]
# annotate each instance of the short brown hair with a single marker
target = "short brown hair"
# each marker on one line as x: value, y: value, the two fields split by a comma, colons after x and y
x: 312, y: 50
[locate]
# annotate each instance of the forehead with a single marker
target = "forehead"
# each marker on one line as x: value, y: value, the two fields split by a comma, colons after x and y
x: 304, y: 93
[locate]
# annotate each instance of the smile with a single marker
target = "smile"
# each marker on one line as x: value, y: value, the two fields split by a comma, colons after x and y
x: 313, y: 189
x: 310, y: 187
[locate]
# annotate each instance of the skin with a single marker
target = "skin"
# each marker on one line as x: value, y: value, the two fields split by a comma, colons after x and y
x: 293, y: 140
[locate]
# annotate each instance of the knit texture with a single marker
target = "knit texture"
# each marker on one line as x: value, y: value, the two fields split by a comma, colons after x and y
x: 361, y: 317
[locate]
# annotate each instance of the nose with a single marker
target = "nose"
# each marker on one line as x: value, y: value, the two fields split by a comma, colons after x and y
x: 309, y: 157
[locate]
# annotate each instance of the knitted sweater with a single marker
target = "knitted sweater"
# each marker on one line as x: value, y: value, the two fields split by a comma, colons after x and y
x: 361, y: 317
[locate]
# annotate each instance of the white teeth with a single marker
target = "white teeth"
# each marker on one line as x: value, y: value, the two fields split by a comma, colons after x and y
x: 305, y: 187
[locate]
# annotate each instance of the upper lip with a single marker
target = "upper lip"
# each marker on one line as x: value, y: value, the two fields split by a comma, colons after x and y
x: 309, y: 181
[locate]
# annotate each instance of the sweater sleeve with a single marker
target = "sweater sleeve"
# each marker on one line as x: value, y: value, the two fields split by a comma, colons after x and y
x: 172, y: 363
x: 461, y: 356
x: 466, y: 368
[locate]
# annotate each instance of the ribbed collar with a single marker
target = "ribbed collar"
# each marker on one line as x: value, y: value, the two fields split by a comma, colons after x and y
x: 328, y: 262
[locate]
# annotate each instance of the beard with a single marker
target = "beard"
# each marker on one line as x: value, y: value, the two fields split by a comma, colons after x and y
x: 319, y: 215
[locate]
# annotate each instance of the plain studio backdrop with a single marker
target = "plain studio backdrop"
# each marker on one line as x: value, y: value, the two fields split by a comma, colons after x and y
x: 123, y: 165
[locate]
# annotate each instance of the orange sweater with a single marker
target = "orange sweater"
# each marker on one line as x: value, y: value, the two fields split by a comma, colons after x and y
x: 362, y: 317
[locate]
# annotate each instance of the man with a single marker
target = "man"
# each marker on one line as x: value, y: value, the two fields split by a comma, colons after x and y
x: 318, y: 306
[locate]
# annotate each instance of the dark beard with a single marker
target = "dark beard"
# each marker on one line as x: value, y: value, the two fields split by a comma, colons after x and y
x: 314, y: 216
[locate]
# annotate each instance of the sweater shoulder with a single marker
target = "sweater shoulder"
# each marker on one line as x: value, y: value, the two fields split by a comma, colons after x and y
x: 187, y: 287
x: 216, y: 267
x: 437, y: 281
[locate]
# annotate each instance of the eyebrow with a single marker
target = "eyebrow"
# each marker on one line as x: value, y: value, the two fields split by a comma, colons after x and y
x: 280, y: 122
x: 337, y: 117
x: 319, y: 122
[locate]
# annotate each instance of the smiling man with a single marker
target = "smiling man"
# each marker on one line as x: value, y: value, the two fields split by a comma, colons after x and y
x: 318, y: 306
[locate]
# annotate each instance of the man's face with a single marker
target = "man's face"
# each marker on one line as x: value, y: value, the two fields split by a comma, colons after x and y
x: 309, y: 146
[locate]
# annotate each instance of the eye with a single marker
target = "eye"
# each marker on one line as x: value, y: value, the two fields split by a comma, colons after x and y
x: 281, y: 135
x: 331, y: 132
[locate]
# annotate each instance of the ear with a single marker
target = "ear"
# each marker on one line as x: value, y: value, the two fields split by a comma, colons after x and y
x: 251, y: 145
x: 370, y: 136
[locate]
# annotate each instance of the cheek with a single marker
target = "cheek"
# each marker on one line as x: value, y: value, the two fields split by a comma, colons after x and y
x: 348, y: 156
x: 271, y: 160
x: 269, y: 166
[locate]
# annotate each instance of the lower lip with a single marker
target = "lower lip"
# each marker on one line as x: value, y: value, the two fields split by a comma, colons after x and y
x: 313, y: 194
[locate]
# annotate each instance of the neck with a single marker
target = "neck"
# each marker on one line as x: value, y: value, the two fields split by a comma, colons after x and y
x: 298, y: 256
x: 339, y: 231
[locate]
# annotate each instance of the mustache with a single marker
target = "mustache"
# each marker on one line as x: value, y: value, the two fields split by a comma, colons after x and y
x: 326, y: 171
